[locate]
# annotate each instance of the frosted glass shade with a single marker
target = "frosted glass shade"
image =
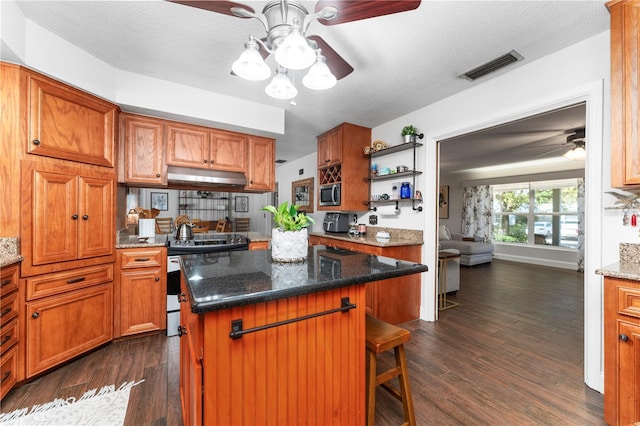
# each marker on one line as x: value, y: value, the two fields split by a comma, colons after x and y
x: 281, y: 87
x: 319, y: 76
x: 294, y: 52
x: 250, y: 64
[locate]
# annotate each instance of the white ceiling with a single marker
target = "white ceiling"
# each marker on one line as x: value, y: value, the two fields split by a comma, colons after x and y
x: 402, y: 62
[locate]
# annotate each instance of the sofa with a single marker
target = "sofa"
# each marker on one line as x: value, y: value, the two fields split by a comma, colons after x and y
x: 473, y: 250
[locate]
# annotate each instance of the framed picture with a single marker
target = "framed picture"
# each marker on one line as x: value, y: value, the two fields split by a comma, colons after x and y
x: 302, y: 195
x: 160, y: 200
x: 242, y: 204
x: 443, y: 202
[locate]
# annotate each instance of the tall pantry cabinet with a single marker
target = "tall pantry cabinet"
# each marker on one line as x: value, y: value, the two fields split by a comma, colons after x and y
x: 57, y: 168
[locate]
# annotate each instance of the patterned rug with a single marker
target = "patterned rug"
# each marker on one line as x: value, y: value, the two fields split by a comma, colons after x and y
x: 104, y: 407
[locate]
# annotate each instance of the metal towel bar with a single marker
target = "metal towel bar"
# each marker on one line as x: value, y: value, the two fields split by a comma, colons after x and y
x: 236, y: 325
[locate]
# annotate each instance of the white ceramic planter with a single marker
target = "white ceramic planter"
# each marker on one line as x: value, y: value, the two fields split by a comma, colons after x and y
x: 289, y: 246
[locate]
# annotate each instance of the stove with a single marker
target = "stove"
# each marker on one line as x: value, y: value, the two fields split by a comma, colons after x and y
x: 200, y: 243
x: 207, y: 243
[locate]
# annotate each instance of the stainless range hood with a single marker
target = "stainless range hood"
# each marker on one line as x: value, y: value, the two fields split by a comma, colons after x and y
x: 202, y: 177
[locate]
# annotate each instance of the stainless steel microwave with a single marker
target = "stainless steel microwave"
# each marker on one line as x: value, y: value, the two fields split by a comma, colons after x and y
x: 329, y: 195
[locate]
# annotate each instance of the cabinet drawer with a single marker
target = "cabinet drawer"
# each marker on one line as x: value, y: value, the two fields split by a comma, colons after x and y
x: 8, y: 280
x: 8, y: 371
x: 142, y: 258
x: 61, y: 282
x: 8, y: 335
x: 8, y: 308
x: 629, y: 301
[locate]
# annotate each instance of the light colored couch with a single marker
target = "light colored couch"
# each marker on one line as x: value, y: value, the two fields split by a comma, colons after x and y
x: 473, y: 250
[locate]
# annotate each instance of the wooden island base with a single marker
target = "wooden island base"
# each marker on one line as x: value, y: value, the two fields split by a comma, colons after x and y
x: 310, y: 370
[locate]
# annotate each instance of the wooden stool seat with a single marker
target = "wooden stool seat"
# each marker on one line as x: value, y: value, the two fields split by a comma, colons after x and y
x: 381, y: 337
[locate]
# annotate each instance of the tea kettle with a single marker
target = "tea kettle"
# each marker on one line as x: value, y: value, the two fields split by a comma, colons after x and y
x: 185, y: 231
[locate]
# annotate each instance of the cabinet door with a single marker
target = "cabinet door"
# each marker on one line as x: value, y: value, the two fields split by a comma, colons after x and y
x: 144, y: 150
x: 625, y: 94
x: 96, y: 210
x: 330, y: 148
x: 61, y: 327
x: 143, y: 301
x: 228, y: 151
x: 261, y: 164
x: 187, y: 146
x: 54, y: 209
x: 628, y: 369
x: 69, y: 124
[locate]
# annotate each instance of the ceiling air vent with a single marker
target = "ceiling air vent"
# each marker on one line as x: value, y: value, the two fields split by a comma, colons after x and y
x: 279, y: 161
x: 493, y: 65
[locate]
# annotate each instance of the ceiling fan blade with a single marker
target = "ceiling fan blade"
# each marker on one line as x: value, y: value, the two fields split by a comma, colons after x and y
x: 223, y: 7
x: 549, y: 152
x: 338, y: 66
x: 349, y: 10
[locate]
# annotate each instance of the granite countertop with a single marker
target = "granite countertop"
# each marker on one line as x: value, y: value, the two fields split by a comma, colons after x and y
x: 628, y: 267
x: 224, y: 280
x: 398, y: 237
x: 125, y: 241
x: 9, y: 251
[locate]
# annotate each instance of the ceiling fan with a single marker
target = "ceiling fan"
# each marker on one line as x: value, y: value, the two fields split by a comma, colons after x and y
x: 574, y: 145
x: 279, y: 17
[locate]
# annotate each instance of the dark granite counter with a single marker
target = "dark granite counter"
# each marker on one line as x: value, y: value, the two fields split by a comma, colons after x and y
x: 224, y: 280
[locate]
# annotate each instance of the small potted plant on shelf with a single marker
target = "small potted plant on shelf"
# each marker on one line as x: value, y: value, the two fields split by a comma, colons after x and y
x: 289, y: 237
x: 409, y: 134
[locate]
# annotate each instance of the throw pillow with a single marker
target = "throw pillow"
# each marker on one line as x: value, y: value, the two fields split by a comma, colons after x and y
x: 444, y: 233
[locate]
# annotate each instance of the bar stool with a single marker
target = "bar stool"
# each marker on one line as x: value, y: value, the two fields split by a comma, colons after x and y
x: 381, y: 337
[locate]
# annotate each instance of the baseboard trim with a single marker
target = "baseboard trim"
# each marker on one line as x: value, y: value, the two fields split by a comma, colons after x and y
x: 542, y: 262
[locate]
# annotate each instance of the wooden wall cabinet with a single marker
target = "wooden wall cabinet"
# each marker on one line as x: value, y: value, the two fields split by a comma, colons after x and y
x: 621, y: 351
x: 341, y: 159
x: 625, y: 94
x: 9, y: 329
x: 141, y: 291
x: 68, y: 216
x: 69, y: 124
x: 205, y: 148
x: 143, y: 150
x: 66, y: 314
x: 262, y: 157
x: 396, y: 300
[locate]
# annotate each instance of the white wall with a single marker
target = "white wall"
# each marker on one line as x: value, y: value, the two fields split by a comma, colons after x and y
x: 536, y: 86
x: 289, y: 172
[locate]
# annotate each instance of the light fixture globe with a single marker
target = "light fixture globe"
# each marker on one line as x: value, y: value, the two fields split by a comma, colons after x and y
x: 319, y: 76
x: 281, y: 87
x: 250, y: 64
x: 294, y: 52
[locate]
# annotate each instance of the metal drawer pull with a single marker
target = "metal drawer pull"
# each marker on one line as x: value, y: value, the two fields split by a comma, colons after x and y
x: 5, y: 282
x: 142, y: 259
x: 624, y: 337
x: 236, y: 325
x: 76, y: 280
x: 5, y: 312
x: 5, y: 376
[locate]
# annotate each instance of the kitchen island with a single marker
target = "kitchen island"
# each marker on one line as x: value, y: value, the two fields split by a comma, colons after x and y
x: 272, y: 343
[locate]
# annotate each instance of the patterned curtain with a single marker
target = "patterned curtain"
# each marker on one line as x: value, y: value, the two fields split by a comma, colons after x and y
x: 581, y: 225
x: 477, y: 212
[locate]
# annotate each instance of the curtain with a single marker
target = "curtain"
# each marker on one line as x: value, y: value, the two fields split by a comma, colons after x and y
x: 581, y: 225
x: 477, y: 212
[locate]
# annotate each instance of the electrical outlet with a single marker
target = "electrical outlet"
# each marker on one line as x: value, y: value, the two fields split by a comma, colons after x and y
x: 373, y: 219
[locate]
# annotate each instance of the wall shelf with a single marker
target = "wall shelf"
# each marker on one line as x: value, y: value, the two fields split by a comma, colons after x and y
x: 411, y: 173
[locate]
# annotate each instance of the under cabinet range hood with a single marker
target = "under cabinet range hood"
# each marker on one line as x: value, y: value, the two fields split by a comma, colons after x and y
x: 202, y: 177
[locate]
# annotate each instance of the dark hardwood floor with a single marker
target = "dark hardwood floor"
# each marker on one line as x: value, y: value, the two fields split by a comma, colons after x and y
x: 510, y: 354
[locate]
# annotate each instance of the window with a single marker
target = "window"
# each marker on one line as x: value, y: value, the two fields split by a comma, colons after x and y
x: 544, y: 212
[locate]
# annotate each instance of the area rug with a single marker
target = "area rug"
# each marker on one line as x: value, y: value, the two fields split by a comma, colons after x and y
x: 104, y: 407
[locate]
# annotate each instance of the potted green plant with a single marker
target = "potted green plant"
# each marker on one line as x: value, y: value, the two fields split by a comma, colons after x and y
x: 409, y: 134
x: 289, y: 237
